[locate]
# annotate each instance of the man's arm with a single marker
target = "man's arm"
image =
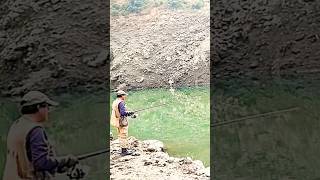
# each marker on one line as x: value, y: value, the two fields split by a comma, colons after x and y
x: 122, y: 109
x: 38, y: 151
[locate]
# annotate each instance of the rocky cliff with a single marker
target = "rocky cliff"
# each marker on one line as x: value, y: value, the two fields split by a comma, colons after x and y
x: 265, y: 39
x: 161, y: 44
x: 58, y: 45
x: 150, y: 162
x: 52, y: 45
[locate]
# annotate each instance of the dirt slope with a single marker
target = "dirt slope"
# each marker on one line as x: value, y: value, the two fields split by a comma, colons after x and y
x: 158, y: 45
x: 55, y: 45
x: 266, y: 39
x: 52, y: 45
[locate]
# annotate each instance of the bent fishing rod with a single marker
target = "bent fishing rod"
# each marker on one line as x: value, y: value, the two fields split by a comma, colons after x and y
x: 223, y: 123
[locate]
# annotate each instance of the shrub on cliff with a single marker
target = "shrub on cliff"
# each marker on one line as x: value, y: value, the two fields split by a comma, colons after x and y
x: 198, y: 5
x: 132, y: 6
x: 135, y: 6
x: 176, y: 4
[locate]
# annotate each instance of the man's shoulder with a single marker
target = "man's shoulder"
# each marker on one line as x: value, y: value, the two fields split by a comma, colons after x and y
x: 22, y: 127
x: 117, y: 101
x: 37, y: 130
x: 37, y: 133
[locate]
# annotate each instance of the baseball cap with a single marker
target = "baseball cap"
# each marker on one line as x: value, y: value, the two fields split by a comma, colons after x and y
x: 119, y: 93
x: 36, y: 97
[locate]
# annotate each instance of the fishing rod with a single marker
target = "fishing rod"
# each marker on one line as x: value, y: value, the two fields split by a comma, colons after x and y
x: 92, y: 154
x: 78, y: 171
x: 223, y: 123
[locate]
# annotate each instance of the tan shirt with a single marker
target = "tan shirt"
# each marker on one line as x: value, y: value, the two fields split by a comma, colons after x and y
x: 18, y: 166
x: 115, y: 114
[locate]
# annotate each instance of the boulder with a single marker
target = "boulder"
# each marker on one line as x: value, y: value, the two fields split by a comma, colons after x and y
x: 153, y: 145
x: 100, y: 60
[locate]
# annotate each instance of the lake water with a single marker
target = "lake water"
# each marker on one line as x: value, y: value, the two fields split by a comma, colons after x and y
x: 182, y: 125
x: 280, y: 146
x: 76, y: 126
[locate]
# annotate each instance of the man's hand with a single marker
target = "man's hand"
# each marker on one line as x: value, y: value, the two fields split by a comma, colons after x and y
x: 77, y: 172
x: 66, y: 162
x: 130, y: 113
x: 134, y: 116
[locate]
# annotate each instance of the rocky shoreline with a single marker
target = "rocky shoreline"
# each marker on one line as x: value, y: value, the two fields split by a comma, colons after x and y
x: 150, y: 161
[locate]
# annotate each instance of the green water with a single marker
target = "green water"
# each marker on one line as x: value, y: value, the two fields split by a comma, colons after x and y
x: 283, y: 146
x: 75, y: 127
x: 183, y: 125
x: 79, y: 125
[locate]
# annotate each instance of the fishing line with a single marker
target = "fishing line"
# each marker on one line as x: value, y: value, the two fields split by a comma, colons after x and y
x: 222, y: 123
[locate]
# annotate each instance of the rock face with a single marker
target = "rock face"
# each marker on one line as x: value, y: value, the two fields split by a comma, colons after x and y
x: 52, y: 45
x: 265, y: 39
x: 150, y: 162
x: 153, y: 47
x: 55, y: 45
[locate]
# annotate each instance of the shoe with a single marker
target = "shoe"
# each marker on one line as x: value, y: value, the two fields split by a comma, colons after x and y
x: 111, y: 136
x: 125, y: 152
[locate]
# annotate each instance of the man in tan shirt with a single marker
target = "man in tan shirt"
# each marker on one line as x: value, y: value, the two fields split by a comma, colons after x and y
x: 119, y: 116
x: 29, y: 152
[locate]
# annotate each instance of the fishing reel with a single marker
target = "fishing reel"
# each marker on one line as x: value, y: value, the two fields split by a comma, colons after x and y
x: 77, y: 172
x: 132, y: 114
